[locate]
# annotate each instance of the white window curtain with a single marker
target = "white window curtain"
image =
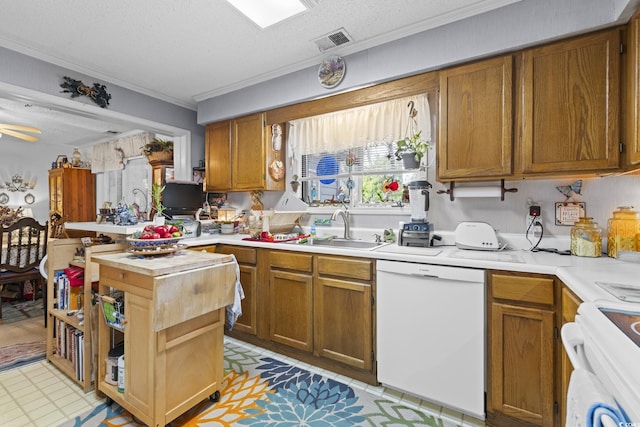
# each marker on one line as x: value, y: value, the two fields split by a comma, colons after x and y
x: 374, y: 124
x: 111, y: 155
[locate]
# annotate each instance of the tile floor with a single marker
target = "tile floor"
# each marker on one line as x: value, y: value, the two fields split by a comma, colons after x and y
x: 38, y: 394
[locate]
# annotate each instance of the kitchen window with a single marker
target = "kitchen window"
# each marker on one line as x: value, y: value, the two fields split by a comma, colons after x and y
x: 349, y: 156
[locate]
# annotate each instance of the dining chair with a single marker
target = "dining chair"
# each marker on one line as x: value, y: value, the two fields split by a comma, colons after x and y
x: 23, y: 245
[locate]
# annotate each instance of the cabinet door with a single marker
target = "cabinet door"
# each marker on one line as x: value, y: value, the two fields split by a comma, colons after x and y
x: 55, y: 192
x: 476, y: 125
x: 343, y: 322
x: 570, y: 105
x: 218, y: 157
x: 246, y: 258
x: 248, y: 278
x: 521, y: 370
x: 631, y: 95
x: 570, y: 303
x: 248, y: 153
x: 290, y: 306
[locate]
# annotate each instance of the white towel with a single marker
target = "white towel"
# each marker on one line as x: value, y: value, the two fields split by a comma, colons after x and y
x: 233, y: 311
x: 589, y: 404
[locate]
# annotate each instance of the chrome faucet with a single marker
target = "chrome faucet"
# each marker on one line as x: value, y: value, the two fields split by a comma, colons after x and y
x: 344, y: 213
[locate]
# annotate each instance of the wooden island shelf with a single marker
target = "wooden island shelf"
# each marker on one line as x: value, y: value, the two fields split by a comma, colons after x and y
x: 174, y: 314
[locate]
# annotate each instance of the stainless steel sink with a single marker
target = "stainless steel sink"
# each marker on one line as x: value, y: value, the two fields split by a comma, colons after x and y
x: 344, y: 243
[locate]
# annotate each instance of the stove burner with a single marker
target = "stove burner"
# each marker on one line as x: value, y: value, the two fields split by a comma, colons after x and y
x: 627, y: 321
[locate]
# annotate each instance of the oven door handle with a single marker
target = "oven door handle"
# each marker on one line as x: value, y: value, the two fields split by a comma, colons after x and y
x: 573, y: 342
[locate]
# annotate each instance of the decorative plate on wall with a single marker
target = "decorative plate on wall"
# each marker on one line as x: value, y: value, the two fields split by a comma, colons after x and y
x: 4, y: 199
x: 29, y: 199
x: 331, y: 71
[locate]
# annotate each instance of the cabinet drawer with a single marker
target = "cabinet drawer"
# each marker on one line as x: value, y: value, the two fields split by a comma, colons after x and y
x: 361, y: 269
x: 291, y: 261
x: 244, y: 255
x: 538, y: 290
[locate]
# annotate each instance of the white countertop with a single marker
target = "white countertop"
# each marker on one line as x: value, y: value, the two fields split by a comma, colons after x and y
x: 580, y: 274
x: 106, y: 227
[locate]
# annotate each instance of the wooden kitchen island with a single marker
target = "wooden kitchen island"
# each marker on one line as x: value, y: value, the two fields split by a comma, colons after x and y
x: 172, y: 328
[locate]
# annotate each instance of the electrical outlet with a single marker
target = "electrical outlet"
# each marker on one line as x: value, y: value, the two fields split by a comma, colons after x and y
x: 534, y: 215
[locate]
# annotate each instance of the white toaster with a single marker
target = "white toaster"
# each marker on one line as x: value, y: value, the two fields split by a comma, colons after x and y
x: 476, y: 235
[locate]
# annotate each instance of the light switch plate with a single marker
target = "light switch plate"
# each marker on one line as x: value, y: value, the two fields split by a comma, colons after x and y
x: 567, y: 213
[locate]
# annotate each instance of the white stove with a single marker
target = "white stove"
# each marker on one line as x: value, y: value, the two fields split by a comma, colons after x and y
x: 604, y: 342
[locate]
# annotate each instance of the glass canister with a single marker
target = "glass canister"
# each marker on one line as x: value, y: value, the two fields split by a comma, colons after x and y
x: 623, y: 227
x: 586, y: 238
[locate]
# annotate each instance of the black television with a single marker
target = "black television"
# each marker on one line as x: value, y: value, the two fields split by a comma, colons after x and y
x: 182, y: 198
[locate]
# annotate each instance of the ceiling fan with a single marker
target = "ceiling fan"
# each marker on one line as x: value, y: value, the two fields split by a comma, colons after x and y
x: 16, y: 131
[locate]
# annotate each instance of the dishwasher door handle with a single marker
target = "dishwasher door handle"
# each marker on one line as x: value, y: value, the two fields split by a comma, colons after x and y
x: 425, y: 275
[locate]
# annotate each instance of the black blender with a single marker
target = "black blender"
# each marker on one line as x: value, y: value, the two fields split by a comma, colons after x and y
x: 418, y: 231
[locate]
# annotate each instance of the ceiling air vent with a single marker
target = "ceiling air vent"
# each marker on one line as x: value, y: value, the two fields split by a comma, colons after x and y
x: 333, y: 39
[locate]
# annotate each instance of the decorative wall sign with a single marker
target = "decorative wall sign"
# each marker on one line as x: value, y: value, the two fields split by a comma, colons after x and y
x: 331, y: 71
x: 97, y: 93
x: 567, y: 213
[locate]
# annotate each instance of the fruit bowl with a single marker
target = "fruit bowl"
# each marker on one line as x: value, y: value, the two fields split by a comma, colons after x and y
x: 141, y: 243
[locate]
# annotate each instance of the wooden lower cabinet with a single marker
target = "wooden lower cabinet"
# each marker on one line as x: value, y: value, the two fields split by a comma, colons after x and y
x: 291, y: 299
x: 247, y: 260
x: 570, y: 303
x: 291, y: 309
x: 343, y: 308
x: 316, y: 308
x: 522, y: 348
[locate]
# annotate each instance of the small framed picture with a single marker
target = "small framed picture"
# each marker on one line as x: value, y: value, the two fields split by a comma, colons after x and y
x: 567, y: 213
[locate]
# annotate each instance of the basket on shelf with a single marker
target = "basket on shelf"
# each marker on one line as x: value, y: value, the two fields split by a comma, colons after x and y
x: 160, y: 156
x: 112, y: 307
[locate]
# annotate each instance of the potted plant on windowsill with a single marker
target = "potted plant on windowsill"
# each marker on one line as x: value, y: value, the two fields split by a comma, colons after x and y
x: 158, y: 149
x: 411, y: 150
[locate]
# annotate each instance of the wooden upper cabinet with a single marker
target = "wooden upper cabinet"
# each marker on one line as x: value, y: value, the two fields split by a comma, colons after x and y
x: 570, y: 96
x: 631, y: 94
x: 240, y: 153
x: 248, y: 152
x: 218, y: 156
x: 476, y: 120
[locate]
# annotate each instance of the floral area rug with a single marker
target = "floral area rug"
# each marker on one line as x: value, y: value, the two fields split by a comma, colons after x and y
x: 19, y: 354
x: 262, y: 391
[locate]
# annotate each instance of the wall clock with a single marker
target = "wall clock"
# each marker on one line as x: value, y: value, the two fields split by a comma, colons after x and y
x: 331, y: 71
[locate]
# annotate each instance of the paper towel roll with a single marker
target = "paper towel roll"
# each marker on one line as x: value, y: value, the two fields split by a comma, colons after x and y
x: 485, y: 191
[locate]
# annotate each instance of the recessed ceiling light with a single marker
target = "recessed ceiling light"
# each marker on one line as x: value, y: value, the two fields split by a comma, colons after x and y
x: 268, y: 12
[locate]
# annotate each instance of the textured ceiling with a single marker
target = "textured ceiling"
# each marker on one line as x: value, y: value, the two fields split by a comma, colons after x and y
x: 183, y: 51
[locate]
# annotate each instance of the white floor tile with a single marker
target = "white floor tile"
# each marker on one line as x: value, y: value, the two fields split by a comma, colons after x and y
x: 41, y: 395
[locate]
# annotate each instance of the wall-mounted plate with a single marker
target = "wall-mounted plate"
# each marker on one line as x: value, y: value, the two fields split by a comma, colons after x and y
x: 567, y: 213
x: 4, y: 199
x: 331, y: 71
x: 29, y: 199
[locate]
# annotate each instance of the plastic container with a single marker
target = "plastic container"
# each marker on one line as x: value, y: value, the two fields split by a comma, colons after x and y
x: 623, y: 228
x: 586, y: 238
x: 121, y: 374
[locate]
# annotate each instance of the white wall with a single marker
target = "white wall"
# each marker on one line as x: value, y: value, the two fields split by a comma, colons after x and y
x: 20, y: 156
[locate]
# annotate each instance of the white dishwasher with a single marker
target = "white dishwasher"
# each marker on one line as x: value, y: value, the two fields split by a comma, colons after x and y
x: 431, y: 333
